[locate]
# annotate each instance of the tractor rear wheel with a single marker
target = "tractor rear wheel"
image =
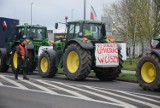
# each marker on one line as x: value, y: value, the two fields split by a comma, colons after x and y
x: 3, y: 66
x: 148, y: 72
x: 111, y: 73
x: 77, y: 62
x: 14, y: 60
x: 47, y: 66
x: 31, y: 63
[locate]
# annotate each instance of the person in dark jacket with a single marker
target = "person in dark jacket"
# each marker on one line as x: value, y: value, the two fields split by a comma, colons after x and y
x: 22, y: 51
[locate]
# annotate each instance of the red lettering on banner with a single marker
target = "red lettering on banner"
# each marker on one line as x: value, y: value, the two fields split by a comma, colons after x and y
x: 106, y: 50
x: 101, y: 60
x: 108, y: 59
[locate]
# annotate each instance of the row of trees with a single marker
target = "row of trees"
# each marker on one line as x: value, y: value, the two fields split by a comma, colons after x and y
x: 136, y: 21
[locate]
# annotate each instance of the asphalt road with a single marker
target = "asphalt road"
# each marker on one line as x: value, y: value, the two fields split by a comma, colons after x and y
x: 59, y: 92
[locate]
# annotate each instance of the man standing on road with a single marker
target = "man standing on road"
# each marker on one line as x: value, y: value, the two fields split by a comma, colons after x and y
x: 22, y: 51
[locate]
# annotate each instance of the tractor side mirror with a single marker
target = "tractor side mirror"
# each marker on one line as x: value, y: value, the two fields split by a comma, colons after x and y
x: 56, y: 25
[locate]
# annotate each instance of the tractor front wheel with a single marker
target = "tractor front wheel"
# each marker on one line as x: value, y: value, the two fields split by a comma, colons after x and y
x: 148, y: 72
x: 77, y: 62
x: 46, y: 66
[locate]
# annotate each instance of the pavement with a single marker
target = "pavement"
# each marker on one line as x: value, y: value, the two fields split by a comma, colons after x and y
x: 128, y: 72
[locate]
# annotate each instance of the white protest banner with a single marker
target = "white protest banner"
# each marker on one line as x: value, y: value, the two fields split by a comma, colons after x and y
x: 123, y: 50
x: 106, y: 55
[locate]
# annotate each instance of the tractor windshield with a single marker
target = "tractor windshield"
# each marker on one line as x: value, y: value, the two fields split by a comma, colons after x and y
x: 36, y: 33
x: 92, y: 31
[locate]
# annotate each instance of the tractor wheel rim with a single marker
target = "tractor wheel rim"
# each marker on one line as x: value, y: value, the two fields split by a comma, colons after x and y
x: 15, y: 60
x: 148, y: 72
x: 72, y: 62
x: 44, y: 65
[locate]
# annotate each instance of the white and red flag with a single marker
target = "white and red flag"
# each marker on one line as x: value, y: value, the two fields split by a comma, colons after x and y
x: 93, y: 15
x: 4, y: 25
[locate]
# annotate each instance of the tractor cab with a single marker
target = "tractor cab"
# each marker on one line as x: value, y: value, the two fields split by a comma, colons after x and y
x: 34, y: 32
x: 89, y: 29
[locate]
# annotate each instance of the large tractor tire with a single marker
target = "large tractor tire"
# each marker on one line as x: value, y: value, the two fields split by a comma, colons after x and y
x: 77, y: 62
x: 148, y: 72
x: 31, y: 63
x: 47, y: 66
x: 3, y: 66
x: 14, y: 60
x: 111, y: 73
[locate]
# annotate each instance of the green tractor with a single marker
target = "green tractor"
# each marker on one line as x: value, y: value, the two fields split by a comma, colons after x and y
x: 34, y: 36
x: 75, y: 53
x: 148, y: 67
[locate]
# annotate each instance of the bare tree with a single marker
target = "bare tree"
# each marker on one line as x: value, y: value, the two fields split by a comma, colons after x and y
x: 135, y: 20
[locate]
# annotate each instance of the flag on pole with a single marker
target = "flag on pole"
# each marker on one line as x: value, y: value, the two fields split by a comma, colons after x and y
x: 4, y: 25
x: 93, y: 15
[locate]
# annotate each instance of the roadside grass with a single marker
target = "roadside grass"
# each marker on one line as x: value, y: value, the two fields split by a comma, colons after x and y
x: 130, y: 64
x: 129, y: 77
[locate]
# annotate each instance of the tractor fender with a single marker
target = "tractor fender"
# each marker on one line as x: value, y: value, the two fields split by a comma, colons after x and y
x: 87, y: 46
x: 51, y: 53
x: 43, y: 48
x: 154, y: 51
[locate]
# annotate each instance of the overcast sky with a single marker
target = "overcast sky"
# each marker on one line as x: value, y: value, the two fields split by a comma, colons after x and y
x: 47, y: 12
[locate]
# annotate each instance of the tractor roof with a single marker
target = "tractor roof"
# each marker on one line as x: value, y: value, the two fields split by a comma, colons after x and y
x: 37, y: 26
x: 85, y: 21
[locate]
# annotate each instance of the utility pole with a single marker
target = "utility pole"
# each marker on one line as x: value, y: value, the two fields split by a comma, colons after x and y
x: 31, y: 12
x: 84, y: 9
x: 72, y: 14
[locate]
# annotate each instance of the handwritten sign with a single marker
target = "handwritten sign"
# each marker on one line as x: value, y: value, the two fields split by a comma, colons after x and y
x: 106, y: 55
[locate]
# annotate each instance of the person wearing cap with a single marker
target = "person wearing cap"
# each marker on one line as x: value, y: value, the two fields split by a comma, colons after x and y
x: 22, y: 51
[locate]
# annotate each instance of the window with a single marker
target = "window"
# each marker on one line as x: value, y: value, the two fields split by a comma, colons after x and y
x: 36, y: 33
x: 77, y: 30
x: 71, y: 32
x: 19, y: 32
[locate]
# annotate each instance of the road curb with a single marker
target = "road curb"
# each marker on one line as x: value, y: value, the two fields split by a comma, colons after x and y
x: 127, y: 80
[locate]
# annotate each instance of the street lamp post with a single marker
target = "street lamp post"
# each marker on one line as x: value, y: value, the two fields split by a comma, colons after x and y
x: 84, y: 9
x: 31, y: 12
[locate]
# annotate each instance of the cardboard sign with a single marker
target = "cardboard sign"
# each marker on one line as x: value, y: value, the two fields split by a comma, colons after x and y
x: 106, y: 55
x: 123, y: 50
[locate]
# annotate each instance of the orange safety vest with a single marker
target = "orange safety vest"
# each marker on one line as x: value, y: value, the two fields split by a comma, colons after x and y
x: 23, y: 50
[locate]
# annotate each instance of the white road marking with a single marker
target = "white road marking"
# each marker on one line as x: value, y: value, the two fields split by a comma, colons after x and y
x: 38, y: 86
x: 152, y: 96
x: 145, y: 95
x: 98, y: 101
x: 14, y: 82
x: 141, y: 97
x: 66, y: 90
x: 79, y: 85
x: 128, y: 98
x: 1, y: 84
x: 126, y: 105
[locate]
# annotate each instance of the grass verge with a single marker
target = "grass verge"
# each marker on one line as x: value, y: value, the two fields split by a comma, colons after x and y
x: 127, y: 77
